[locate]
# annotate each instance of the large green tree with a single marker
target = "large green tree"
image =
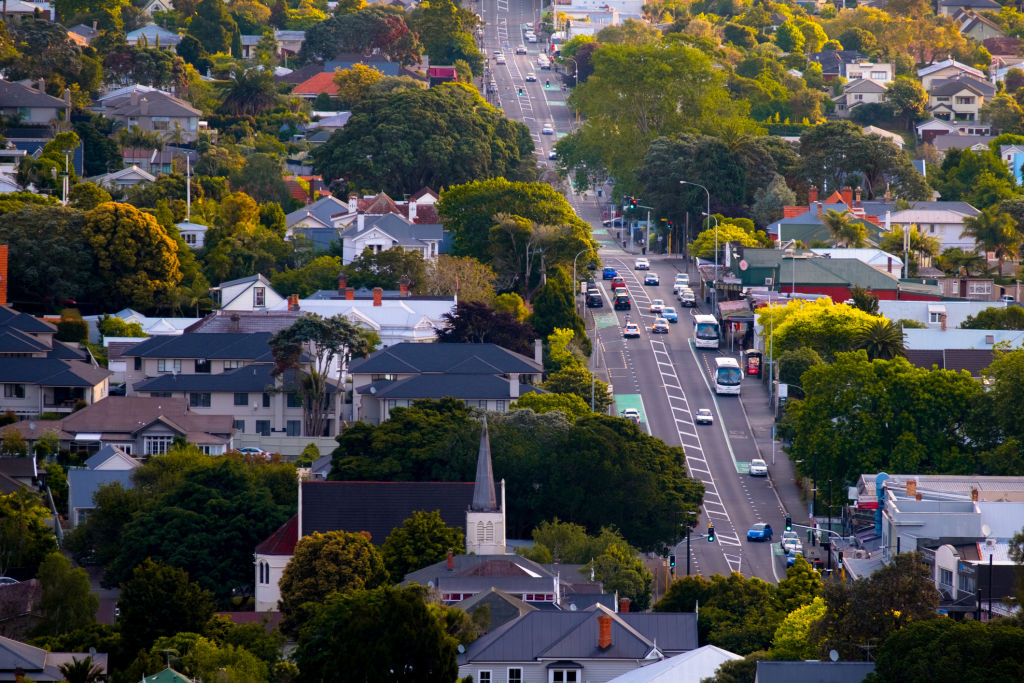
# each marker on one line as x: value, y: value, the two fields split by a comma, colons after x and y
x: 996, y: 318
x: 422, y: 540
x: 379, y: 27
x: 68, y: 602
x: 478, y: 323
x: 213, y: 26
x: 993, y: 231
x: 25, y: 538
x: 446, y: 30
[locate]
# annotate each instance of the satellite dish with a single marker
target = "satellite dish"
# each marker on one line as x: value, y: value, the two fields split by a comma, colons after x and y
x: 462, y: 649
x: 986, y: 530
x: 833, y: 655
x: 572, y: 607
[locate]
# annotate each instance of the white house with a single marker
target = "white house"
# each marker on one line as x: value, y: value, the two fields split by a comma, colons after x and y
x: 248, y: 294
x: 383, y: 232
x: 126, y: 177
x: 945, y: 224
x: 880, y: 73
x: 948, y: 68
x: 857, y: 92
x: 934, y: 314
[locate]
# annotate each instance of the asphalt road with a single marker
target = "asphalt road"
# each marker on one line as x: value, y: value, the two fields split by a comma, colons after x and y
x: 663, y: 376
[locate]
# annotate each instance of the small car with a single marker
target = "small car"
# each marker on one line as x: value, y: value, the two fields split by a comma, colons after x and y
x: 595, y: 301
x: 760, y: 532
x: 496, y: 53
x: 652, y: 279
x: 790, y: 536
x: 631, y: 330
x: 657, y: 306
x: 251, y: 450
x: 612, y: 222
x: 8, y: 581
x: 687, y: 298
x: 618, y: 281
x: 622, y: 303
x: 548, y: 129
x: 660, y: 326
x: 704, y: 417
x: 683, y: 278
x: 521, y: 50
x: 608, y: 274
x: 791, y: 558
x: 499, y: 59
x: 792, y: 545
x: 641, y: 264
x: 552, y: 155
x: 631, y: 414
x: 669, y: 314
x: 531, y: 77
x: 758, y: 468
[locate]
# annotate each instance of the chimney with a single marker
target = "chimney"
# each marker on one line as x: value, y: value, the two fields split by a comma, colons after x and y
x: 847, y: 195
x: 856, y: 197
x: 236, y: 322
x: 919, y: 497
x: 538, y: 351
x: 342, y: 282
x: 403, y: 286
x: 42, y: 85
x: 95, y: 25
x: 353, y: 202
x: 134, y: 98
x: 350, y: 293
x: 67, y: 98
x: 378, y: 296
x: 887, y: 196
x: 513, y: 385
x: 912, y: 488
x: 293, y: 302
x: 974, y: 494
x: 451, y: 561
x: 360, y: 222
x: 942, y: 318
x: 604, y: 636
x: 624, y: 605
x: 3, y: 274
x: 144, y: 106
x: 412, y: 212
x: 820, y: 208
x: 812, y: 195
x: 888, y: 265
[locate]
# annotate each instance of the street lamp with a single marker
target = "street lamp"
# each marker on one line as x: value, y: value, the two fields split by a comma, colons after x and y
x: 67, y: 156
x: 714, y: 293
x: 575, y: 284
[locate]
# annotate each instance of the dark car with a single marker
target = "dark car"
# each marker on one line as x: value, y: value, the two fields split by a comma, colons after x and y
x: 595, y: 300
x: 608, y: 273
x: 622, y: 302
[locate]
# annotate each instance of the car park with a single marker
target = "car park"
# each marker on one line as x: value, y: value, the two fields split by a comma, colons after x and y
x: 548, y: 129
x: 660, y: 326
x: 652, y: 279
x: 760, y: 532
x: 669, y: 314
x: 641, y: 264
x: 704, y: 417
x: 758, y: 468
x: 531, y: 77
x: 631, y: 330
x: 595, y: 300
x: 632, y: 414
x: 657, y: 306
x: 687, y: 298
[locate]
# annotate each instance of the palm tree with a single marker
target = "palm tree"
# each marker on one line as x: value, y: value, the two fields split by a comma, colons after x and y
x: 251, y: 92
x: 921, y: 245
x: 844, y: 229
x: 81, y: 671
x: 993, y: 231
x: 882, y: 339
x: 956, y: 261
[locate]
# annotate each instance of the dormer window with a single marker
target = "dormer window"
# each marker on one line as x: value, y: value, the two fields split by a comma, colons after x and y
x: 259, y: 297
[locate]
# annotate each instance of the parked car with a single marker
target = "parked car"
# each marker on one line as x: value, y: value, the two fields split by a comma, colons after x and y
x: 652, y: 279
x: 760, y: 532
x: 660, y: 326
x: 669, y: 314
x: 682, y: 281
x: 631, y: 331
x: 657, y: 306
x: 704, y: 417
x: 251, y: 450
x: 608, y: 274
x: 641, y: 264
x: 758, y: 468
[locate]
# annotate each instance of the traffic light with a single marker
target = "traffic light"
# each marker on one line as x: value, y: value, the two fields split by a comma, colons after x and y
x: 789, y: 523
x: 632, y: 203
x: 840, y: 559
x: 520, y: 92
x: 547, y: 83
x: 711, y: 533
x: 671, y: 560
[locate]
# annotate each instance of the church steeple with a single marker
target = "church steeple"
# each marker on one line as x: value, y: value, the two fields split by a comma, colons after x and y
x: 484, y: 499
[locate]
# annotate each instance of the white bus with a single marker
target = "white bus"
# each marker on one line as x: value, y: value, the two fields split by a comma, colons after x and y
x: 727, y: 376
x: 705, y: 332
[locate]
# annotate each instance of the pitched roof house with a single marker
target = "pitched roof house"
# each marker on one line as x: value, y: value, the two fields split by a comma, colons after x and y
x: 833, y: 61
x: 947, y: 68
x: 247, y: 294
x: 152, y: 35
x: 32, y: 104
x: 126, y: 177
x: 386, y: 231
x: 108, y: 465
x: 959, y: 98
x: 689, y: 667
x: 857, y: 92
x: 977, y: 27
x: 154, y: 111
x: 317, y: 84
x: 19, y: 661
x: 948, y: 8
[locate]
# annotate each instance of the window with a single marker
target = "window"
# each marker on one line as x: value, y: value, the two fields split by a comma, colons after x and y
x: 294, y: 401
x: 190, y: 238
x: 160, y: 123
x: 259, y: 297
x: 138, y: 362
x: 945, y: 578
x: 979, y: 287
x: 266, y: 400
x: 14, y: 391
x: 879, y: 75
x: 482, y: 404
x: 239, y: 425
x: 965, y: 583
x: 484, y: 677
x: 489, y: 532
x: 935, y: 317
x: 203, y: 365
x: 159, y: 394
x: 499, y: 406
x: 293, y: 427
x: 199, y: 399
x: 264, y: 572
x: 564, y: 676
x: 157, y: 445
x: 232, y: 364
x: 858, y: 98
x: 479, y: 532
x: 942, y: 98
x: 263, y: 427
x: 241, y: 398
x: 961, y: 99
x: 515, y: 676
x: 168, y: 365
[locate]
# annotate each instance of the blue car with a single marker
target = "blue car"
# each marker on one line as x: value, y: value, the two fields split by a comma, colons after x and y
x: 760, y: 532
x: 669, y: 314
x: 791, y: 558
x: 608, y: 273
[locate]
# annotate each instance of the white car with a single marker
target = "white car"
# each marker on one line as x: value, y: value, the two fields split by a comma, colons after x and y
x: 531, y: 77
x: 631, y: 414
x: 641, y: 264
x: 657, y: 306
x: 548, y: 129
x: 631, y: 330
x: 8, y: 581
x: 792, y: 545
x: 758, y: 468
x: 499, y: 59
x: 682, y: 282
x: 704, y: 417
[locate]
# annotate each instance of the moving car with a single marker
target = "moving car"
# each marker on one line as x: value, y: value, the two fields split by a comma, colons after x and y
x: 760, y: 532
x: 657, y: 306
x: 8, y: 581
x: 660, y: 326
x: 548, y: 129
x: 704, y: 417
x: 595, y: 300
x: 608, y: 274
x: 618, y: 281
x: 791, y: 544
x: 687, y: 298
x: 500, y: 59
x: 682, y: 281
x: 531, y: 37
x: 669, y: 314
x: 552, y: 155
x: 521, y: 50
x: 531, y: 77
x: 622, y: 304
x: 758, y: 468
x: 631, y: 330
x: 641, y: 264
x: 612, y: 222
x: 652, y: 279
x: 631, y: 414
x: 791, y: 557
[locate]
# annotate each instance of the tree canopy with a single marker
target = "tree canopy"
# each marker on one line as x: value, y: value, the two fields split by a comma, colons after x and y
x: 422, y: 540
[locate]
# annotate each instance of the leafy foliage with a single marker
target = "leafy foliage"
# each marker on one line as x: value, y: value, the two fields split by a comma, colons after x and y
x: 792, y: 638
x: 68, y: 602
x: 820, y: 325
x: 478, y: 323
x: 995, y: 318
x: 422, y: 540
x: 25, y: 538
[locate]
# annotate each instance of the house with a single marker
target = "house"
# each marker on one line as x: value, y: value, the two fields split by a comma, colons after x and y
x: 17, y: 10
x: 946, y: 225
x: 155, y: 111
x: 946, y: 69
x: 960, y: 338
x: 690, y: 667
x: 249, y: 44
x: 975, y: 26
x: 142, y: 426
x: 883, y: 73
x: 32, y: 104
x: 442, y: 74
x: 970, y: 132
x: 152, y: 36
x: 833, y: 61
x: 20, y: 661
x: 109, y: 465
x: 315, y: 215
x: 23, y: 471
x: 168, y: 675
x: 857, y: 92
x: 194, y: 234
x: 348, y: 60
x: 378, y: 507
x: 948, y: 8
x: 959, y: 98
x: 157, y: 6
x: 42, y: 375
x: 501, y: 607
x: 935, y: 315
x: 289, y: 42
x: 170, y: 159
x: 318, y: 84
x: 247, y: 294
x: 383, y: 232
x: 126, y: 177
x: 894, y: 138
x: 974, y: 288
x: 595, y: 644
x: 420, y: 208
x: 152, y: 327
x: 806, y: 223
x: 83, y: 34
x: 485, y: 376
x: 820, y: 672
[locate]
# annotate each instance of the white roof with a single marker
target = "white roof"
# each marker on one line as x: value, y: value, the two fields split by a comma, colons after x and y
x: 872, y: 257
x: 392, y: 313
x: 689, y: 667
x: 939, y: 66
x: 956, y: 311
x: 958, y: 338
x: 927, y: 216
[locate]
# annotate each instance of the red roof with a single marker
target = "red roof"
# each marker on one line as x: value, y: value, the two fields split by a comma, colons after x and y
x: 442, y: 72
x: 282, y: 541
x: 322, y: 82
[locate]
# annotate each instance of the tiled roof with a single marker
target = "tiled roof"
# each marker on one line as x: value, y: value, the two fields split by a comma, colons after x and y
x: 24, y: 322
x: 18, y: 467
x: 322, y: 209
x: 252, y: 378
x: 379, y: 507
x: 51, y: 372
x: 253, y: 346
x: 121, y: 414
x: 17, y: 95
x: 439, y: 358
x: 322, y: 82
x: 282, y: 541
x: 939, y: 66
x: 157, y: 103
x: 951, y: 86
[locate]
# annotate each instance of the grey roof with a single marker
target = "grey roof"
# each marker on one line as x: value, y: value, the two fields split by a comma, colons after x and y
x: 17, y: 95
x: 152, y: 32
x: 258, y: 277
x: 83, y: 484
x: 10, y: 318
x: 84, y: 31
x: 322, y: 209
x: 51, y: 372
x: 463, y: 386
x: 343, y: 62
x: 484, y: 499
x: 402, y: 231
x: 379, y: 507
x: 320, y: 239
x: 813, y: 672
x: 494, y: 566
x: 975, y: 4
x: 252, y: 346
x: 159, y: 104
x: 951, y: 141
x: 951, y: 86
x: 461, y: 358
x: 254, y: 378
x: 102, y: 455
x: 221, y: 321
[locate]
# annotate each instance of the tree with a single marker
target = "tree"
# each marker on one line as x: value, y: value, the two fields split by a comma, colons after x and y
x: 25, y: 539
x: 447, y: 33
x: 981, y: 178
x: 476, y: 322
x: 68, y: 602
x: 907, y: 100
x: 554, y: 307
x: 422, y: 540
x: 159, y: 600
x: 455, y: 138
x: 384, y: 634
x: 581, y: 382
x: 703, y: 246
x: 206, y: 660
x: 801, y: 585
x: 355, y: 82
x: 871, y: 609
x: 792, y: 638
x: 87, y: 196
x: 323, y: 565
x: 137, y: 260
x: 320, y: 273
x: 463, y: 276
x: 620, y: 570
x: 213, y: 26
x: 387, y: 269
x: 920, y: 245
x: 252, y: 91
x: 793, y: 363
x: 993, y: 231
x: 570, y: 405
x: 1004, y: 113
x: 369, y: 29
x: 1007, y: 318
x: 770, y: 200
x: 789, y: 37
x: 864, y: 300
x: 845, y: 230
x: 821, y: 325
x: 881, y: 339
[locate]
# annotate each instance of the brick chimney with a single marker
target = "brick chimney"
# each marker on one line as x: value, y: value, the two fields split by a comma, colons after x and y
x: 403, y: 286
x: 293, y: 302
x: 342, y: 282
x: 974, y: 495
x: 847, y: 195
x: 821, y: 208
x: 451, y: 561
x: 912, y: 488
x: 378, y: 296
x: 812, y: 195
x: 350, y: 293
x: 856, y: 197
x: 3, y: 274
x: 353, y: 202
x: 134, y: 99
x: 144, y: 106
x: 942, y: 319
x: 624, y: 605
x: 604, y: 635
